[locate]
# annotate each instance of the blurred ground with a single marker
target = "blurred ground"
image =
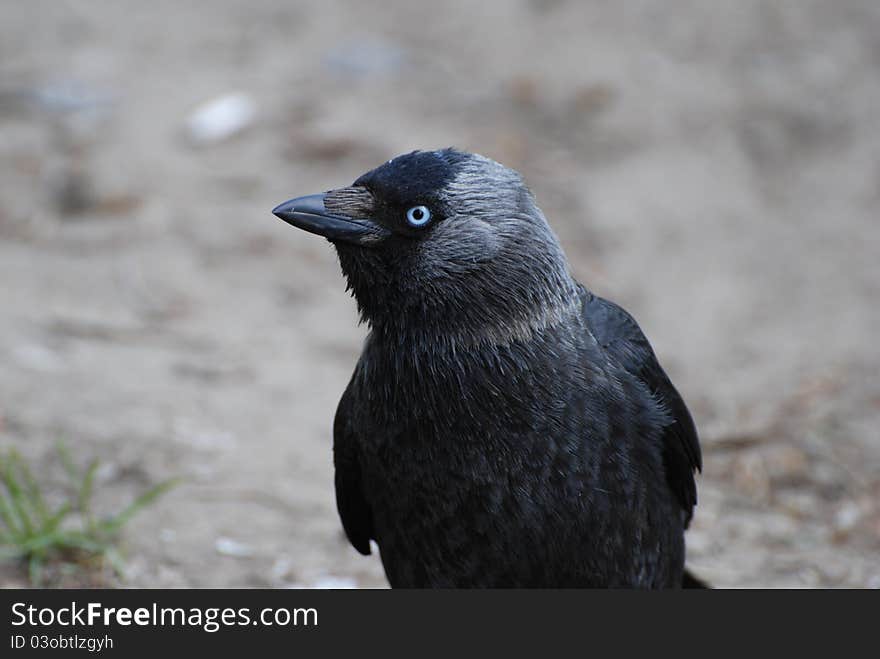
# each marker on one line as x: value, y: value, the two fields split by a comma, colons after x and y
x: 713, y: 167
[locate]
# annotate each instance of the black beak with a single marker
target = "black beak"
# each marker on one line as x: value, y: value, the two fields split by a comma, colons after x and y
x: 308, y: 213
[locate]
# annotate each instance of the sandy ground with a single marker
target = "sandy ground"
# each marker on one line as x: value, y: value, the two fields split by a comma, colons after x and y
x: 713, y: 167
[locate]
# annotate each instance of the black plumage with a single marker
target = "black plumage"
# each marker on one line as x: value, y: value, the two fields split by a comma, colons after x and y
x: 503, y: 426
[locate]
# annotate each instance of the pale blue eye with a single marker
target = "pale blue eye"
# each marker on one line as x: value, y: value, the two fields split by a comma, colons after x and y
x: 418, y: 216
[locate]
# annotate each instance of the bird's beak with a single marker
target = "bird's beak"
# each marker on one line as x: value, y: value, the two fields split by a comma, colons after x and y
x: 308, y: 213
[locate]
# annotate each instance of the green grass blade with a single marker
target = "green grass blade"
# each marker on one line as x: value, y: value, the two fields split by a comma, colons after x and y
x: 17, y: 497
x: 60, y: 541
x: 33, y: 491
x: 6, y: 514
x: 67, y: 461
x: 116, y: 522
x: 116, y: 563
x: 54, y: 520
x: 85, y: 492
x: 87, y: 543
x: 35, y: 571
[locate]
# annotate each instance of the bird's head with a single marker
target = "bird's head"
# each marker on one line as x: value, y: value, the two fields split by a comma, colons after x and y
x: 444, y: 243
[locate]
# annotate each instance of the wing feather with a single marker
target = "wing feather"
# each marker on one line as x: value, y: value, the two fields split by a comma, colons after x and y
x: 623, y: 340
x: 354, y: 510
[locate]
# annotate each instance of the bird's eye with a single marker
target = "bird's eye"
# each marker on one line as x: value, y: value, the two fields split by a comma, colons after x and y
x: 418, y: 216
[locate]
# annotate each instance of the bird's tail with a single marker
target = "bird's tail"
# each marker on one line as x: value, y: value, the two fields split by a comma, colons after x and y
x: 688, y: 580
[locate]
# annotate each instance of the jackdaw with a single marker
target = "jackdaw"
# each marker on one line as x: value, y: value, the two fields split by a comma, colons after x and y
x: 504, y: 426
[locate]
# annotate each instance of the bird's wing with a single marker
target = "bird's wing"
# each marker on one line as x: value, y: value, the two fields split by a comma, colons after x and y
x: 623, y: 341
x: 357, y: 518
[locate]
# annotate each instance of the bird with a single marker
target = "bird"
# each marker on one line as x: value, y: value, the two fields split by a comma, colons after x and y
x: 504, y: 426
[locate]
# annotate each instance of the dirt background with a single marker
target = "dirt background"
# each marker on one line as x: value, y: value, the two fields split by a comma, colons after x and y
x: 714, y: 167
